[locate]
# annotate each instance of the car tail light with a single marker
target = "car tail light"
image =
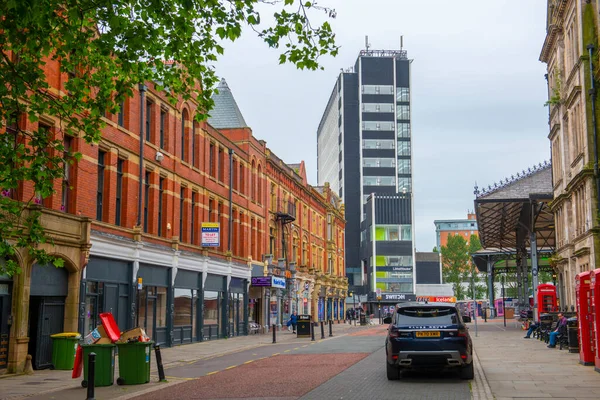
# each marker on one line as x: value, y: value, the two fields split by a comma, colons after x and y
x: 463, y: 356
x: 394, y: 333
x: 463, y: 333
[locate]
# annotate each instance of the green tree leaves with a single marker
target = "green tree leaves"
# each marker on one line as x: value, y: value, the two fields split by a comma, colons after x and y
x: 458, y: 268
x: 104, y: 49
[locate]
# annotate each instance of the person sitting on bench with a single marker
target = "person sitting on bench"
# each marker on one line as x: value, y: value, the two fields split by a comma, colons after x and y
x: 532, y: 327
x: 562, y: 323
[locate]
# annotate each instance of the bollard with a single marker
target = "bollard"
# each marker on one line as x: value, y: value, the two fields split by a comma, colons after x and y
x: 91, y: 381
x: 322, y: 331
x: 274, y: 337
x: 312, y: 331
x: 159, y: 364
x: 330, y: 328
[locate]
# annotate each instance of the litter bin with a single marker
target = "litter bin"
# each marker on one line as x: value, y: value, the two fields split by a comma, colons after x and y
x: 64, y: 347
x: 303, y: 327
x: 363, y: 319
x: 105, y: 364
x: 573, y: 335
x: 134, y: 363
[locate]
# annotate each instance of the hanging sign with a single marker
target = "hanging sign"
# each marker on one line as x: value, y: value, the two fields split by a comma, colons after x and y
x: 211, y: 233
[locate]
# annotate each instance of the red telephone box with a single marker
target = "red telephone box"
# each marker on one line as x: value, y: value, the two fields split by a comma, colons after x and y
x: 546, y: 299
x: 595, y: 306
x: 584, y: 318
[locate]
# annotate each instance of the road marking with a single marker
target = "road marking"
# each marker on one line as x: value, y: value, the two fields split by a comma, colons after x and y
x: 275, y: 354
x: 287, y: 351
x: 305, y: 345
x: 296, y: 348
x: 179, y: 378
x: 212, y: 373
x: 233, y: 366
x: 248, y: 362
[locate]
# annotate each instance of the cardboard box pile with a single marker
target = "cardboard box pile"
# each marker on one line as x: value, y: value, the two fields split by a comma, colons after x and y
x: 99, y: 335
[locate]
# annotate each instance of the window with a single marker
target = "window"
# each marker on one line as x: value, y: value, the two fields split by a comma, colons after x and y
x: 426, y: 316
x: 211, y: 210
x: 378, y: 144
x: 403, y: 129
x: 259, y: 184
x: 66, y: 187
x: 193, y: 219
x: 403, y: 111
x: 379, y: 162
x: 163, y: 123
x: 194, y: 145
x: 387, y: 232
x: 121, y: 114
x: 379, y: 181
x: 377, y: 89
x: 272, y: 234
x: 403, y: 148
x: 118, y: 200
x: 100, y: 190
x: 406, y: 232
x: 235, y: 174
x: 181, y: 208
x: 211, y: 160
x: 241, y: 187
x: 402, y: 94
x: 378, y: 107
x: 378, y: 126
x: 403, y: 166
x: 148, y: 120
x: 161, y: 188
x: 404, y: 185
x: 221, y: 166
x: 146, y: 199
x: 304, y: 252
x: 253, y: 181
x: 556, y: 160
x: 183, y: 155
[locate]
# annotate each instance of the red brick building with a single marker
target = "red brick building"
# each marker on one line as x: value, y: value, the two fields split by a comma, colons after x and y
x: 142, y: 257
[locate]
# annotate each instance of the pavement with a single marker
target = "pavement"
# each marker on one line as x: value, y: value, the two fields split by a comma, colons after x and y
x: 518, y: 368
x: 507, y: 367
x: 49, y: 384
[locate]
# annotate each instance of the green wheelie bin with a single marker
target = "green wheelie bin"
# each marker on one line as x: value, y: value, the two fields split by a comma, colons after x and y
x: 134, y: 363
x: 64, y: 347
x: 105, y: 364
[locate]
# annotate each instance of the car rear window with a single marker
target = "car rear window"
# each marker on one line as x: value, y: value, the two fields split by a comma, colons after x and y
x: 426, y: 315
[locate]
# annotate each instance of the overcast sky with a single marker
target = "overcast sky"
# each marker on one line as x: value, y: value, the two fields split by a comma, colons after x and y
x: 477, y: 92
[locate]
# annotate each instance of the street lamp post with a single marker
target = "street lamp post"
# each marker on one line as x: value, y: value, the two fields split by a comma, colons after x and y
x: 379, y: 308
x: 503, y: 308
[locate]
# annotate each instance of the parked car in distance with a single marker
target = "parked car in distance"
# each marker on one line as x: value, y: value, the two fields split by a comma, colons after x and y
x: 427, y: 336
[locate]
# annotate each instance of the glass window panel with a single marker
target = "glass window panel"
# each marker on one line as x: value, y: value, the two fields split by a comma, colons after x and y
x: 404, y: 185
x: 379, y: 162
x: 378, y: 107
x: 183, y: 307
x: 211, y: 309
x: 402, y: 94
x: 403, y: 129
x: 403, y: 111
x: 378, y: 125
x: 403, y: 166
x: 379, y: 180
x: 161, y: 307
x: 377, y: 89
x: 378, y: 144
x: 403, y: 148
x: 406, y: 232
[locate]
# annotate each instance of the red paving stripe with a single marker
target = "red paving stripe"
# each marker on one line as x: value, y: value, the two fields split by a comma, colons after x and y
x: 377, y: 331
x: 280, y: 376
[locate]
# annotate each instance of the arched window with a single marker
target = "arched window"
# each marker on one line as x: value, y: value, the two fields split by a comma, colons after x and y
x: 241, y: 188
x: 184, y: 120
x: 259, y: 184
x: 253, y: 181
x: 295, y: 249
x: 304, y: 251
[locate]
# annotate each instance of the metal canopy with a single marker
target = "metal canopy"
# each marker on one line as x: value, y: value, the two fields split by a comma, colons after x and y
x: 516, y: 228
x: 509, y: 211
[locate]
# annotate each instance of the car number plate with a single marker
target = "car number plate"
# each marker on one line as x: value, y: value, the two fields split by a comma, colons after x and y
x: 426, y: 334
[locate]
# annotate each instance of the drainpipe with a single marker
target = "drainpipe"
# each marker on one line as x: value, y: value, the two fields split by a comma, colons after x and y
x: 550, y: 128
x: 230, y: 236
x: 142, y: 89
x: 592, y: 93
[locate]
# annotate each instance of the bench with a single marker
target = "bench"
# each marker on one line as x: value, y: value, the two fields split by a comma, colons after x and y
x: 253, y: 327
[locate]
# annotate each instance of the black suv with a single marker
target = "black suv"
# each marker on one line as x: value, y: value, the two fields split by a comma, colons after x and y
x: 428, y: 336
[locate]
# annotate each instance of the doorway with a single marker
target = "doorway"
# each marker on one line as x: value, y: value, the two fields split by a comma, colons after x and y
x: 46, y: 316
x: 152, y: 315
x: 5, y: 304
x: 49, y: 288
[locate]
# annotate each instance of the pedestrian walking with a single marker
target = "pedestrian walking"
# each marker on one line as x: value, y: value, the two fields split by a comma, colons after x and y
x: 294, y: 321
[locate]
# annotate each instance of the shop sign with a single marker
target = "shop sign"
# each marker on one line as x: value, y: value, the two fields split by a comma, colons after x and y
x: 278, y: 282
x: 395, y: 269
x: 437, y: 299
x: 211, y: 234
x: 260, y: 281
x: 306, y: 285
x: 398, y: 297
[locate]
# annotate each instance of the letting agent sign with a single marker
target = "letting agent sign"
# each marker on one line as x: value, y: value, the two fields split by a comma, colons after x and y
x: 211, y: 234
x: 278, y: 282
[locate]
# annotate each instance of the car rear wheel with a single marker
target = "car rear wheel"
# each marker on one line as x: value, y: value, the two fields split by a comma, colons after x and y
x: 393, y: 372
x: 467, y: 372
